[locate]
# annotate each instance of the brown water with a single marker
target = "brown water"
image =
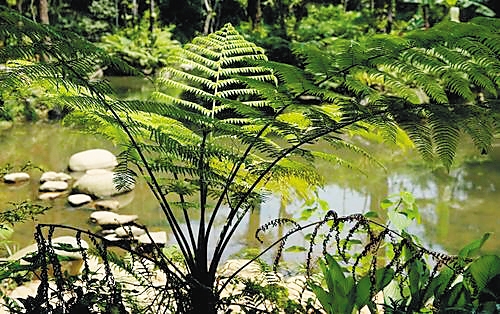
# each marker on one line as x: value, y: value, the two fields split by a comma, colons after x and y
x: 456, y: 208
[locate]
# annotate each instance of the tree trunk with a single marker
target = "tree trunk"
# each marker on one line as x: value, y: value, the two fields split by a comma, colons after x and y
x: 425, y: 10
x: 43, y: 7
x: 202, y: 296
x: 19, y: 5
x: 135, y: 12
x: 151, y: 16
x: 390, y: 13
x: 254, y: 12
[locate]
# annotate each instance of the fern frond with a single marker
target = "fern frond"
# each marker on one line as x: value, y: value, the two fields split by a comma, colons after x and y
x: 445, y: 136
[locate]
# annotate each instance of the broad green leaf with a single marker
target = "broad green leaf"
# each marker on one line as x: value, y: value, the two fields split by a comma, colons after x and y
x: 5, y: 232
x: 472, y: 248
x: 400, y: 221
x: 386, y: 203
x: 295, y: 249
x: 383, y: 277
x: 307, y: 213
x: 371, y: 214
x: 484, y: 269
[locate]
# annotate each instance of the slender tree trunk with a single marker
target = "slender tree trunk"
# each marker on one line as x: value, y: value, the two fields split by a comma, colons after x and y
x: 19, y: 5
x: 425, y: 11
x: 254, y: 12
x: 390, y: 8
x: 43, y: 8
x: 135, y: 12
x: 151, y: 16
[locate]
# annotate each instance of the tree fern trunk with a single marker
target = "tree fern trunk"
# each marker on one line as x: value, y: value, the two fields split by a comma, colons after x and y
x: 202, y: 296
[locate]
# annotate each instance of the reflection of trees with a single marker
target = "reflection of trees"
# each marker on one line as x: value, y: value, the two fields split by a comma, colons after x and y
x: 464, y: 207
x: 456, y: 207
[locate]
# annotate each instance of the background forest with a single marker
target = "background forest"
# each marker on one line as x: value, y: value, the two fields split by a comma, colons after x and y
x: 244, y: 94
x: 142, y: 32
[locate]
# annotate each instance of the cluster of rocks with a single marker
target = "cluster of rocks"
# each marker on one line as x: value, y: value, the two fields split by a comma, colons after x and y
x: 122, y: 228
x: 91, y: 183
x: 91, y: 178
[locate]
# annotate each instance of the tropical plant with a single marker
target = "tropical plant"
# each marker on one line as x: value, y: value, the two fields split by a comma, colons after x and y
x: 147, y: 51
x: 243, y: 121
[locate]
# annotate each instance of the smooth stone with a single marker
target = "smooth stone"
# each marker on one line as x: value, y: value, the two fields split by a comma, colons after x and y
x: 126, y: 231
x: 56, y: 242
x: 99, y: 183
x: 92, y: 159
x: 159, y: 238
x: 79, y: 199
x: 252, y: 270
x: 113, y: 238
x: 16, y: 177
x: 110, y: 218
x: 54, y: 176
x: 53, y: 186
x: 5, y: 125
x: 49, y: 195
x: 107, y: 205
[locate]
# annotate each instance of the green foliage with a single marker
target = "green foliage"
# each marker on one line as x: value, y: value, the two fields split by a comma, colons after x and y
x: 242, y: 122
x: 98, y: 19
x: 145, y: 50
x: 435, y: 85
x: 401, y: 210
x: 344, y: 294
x: 21, y: 212
x: 325, y: 23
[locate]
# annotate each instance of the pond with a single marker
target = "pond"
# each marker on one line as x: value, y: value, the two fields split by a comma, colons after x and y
x: 456, y: 208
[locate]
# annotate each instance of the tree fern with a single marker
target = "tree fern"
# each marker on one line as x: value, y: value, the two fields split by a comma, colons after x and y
x: 429, y: 83
x: 235, y: 125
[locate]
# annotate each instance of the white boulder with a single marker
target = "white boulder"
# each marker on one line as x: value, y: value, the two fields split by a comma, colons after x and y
x: 99, y: 183
x: 126, y: 231
x: 110, y: 218
x: 159, y: 238
x: 59, y: 244
x: 16, y: 177
x: 54, y: 176
x: 92, y: 159
x: 107, y: 205
x: 47, y: 196
x: 79, y: 199
x: 52, y: 186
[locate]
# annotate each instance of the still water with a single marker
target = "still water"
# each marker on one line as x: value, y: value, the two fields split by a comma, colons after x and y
x: 456, y: 208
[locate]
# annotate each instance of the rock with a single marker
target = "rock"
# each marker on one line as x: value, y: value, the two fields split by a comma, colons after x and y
x: 53, y: 186
x: 106, y: 218
x: 113, y: 238
x: 54, y: 176
x: 57, y: 244
x: 99, y: 183
x: 92, y: 159
x: 107, y: 205
x: 126, y: 231
x: 15, y: 177
x: 79, y: 199
x: 251, y: 271
x: 298, y: 291
x: 159, y: 238
x: 49, y: 195
x: 5, y: 125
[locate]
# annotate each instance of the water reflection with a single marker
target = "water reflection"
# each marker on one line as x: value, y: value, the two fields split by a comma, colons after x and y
x: 456, y: 208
